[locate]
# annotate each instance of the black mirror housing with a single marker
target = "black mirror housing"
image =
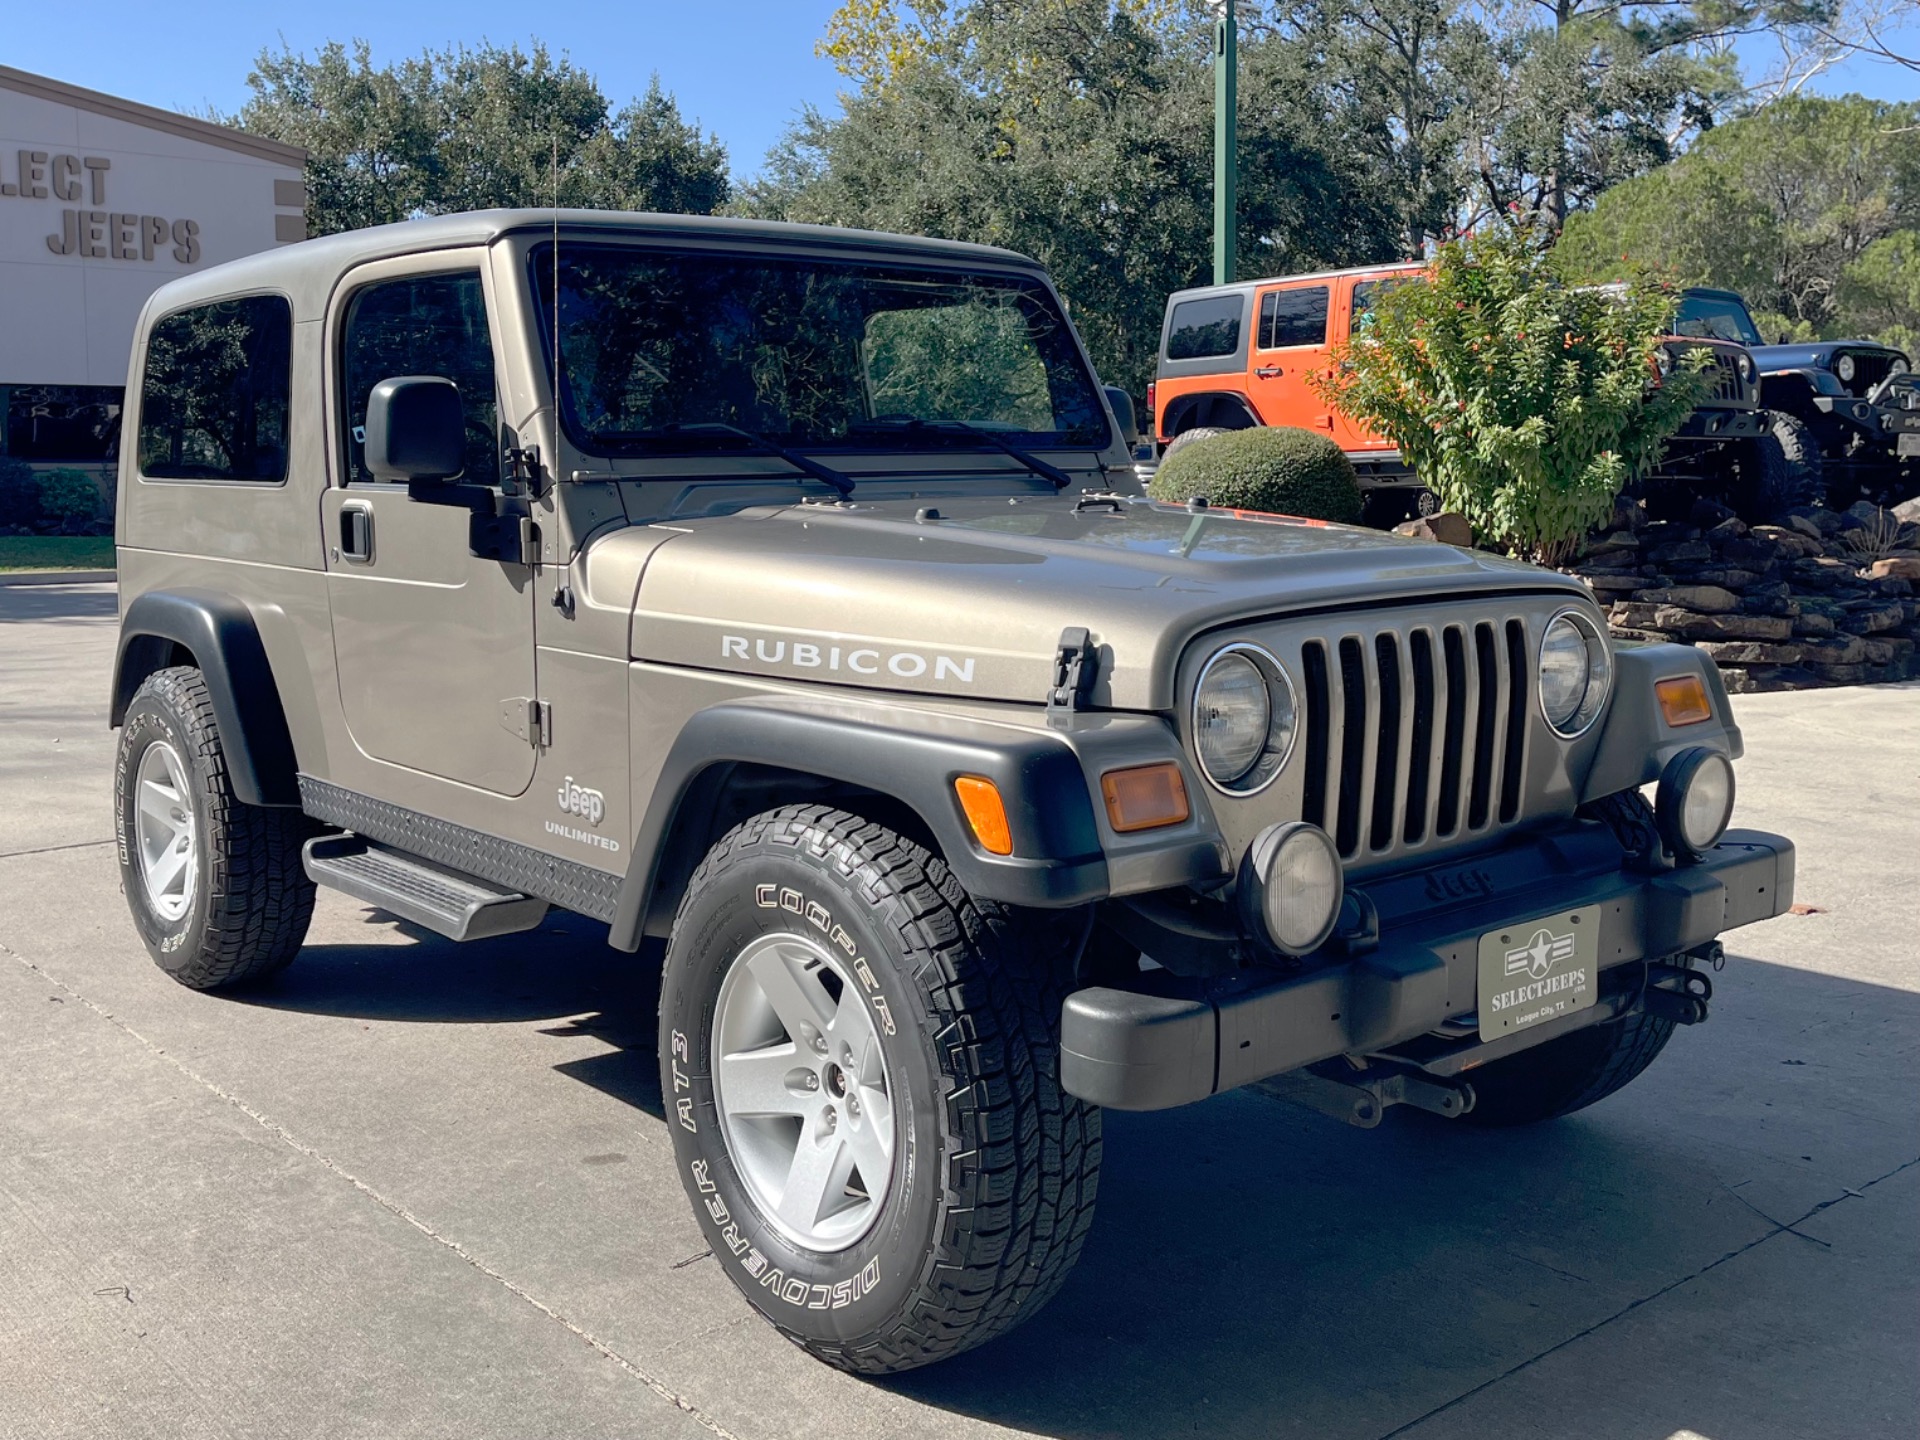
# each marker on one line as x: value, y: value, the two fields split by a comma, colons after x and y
x: 1122, y: 404
x: 416, y: 429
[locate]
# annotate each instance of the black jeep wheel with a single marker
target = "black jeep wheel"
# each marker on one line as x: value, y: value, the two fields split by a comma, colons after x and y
x: 1804, y: 467
x: 861, y: 1070
x: 1768, y: 484
x: 216, y: 887
x: 1566, y: 1074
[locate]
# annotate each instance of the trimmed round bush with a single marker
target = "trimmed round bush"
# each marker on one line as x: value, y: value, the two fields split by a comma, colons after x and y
x: 1279, y: 470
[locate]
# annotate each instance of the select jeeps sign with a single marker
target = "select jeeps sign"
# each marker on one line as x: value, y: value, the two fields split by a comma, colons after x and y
x: 1538, y: 970
x: 95, y: 232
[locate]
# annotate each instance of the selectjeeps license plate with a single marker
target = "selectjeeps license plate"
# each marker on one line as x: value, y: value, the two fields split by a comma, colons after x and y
x: 1538, y: 970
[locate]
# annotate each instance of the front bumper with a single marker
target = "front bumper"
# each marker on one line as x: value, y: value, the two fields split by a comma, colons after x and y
x: 1176, y: 1041
x: 1717, y: 423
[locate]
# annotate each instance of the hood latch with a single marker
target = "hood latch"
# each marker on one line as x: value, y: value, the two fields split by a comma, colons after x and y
x: 1073, y: 670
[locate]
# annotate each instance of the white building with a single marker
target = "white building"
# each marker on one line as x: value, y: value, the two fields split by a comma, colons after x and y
x: 101, y: 202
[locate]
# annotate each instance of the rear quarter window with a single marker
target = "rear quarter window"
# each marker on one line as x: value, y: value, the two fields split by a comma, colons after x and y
x: 1293, y: 317
x: 1201, y: 329
x: 216, y: 391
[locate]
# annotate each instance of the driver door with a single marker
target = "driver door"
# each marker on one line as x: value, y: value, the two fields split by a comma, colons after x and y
x: 433, y: 645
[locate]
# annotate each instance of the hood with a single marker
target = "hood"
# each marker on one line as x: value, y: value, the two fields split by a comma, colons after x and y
x: 970, y: 600
x: 1814, y: 355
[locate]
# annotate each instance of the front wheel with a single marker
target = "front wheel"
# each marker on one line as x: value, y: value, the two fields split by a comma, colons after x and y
x: 861, y: 1071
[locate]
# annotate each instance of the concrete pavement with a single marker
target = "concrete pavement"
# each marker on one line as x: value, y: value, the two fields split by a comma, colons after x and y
x: 418, y: 1189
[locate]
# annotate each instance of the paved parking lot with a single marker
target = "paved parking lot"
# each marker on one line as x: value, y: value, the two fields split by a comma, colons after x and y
x: 418, y: 1189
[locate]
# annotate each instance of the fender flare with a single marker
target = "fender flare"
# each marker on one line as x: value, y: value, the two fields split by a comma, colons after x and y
x: 1207, y: 399
x: 220, y: 633
x: 1057, y: 860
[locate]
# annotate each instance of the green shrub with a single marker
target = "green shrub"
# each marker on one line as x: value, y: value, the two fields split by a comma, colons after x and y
x: 19, y: 495
x: 1282, y: 471
x: 1523, y: 403
x: 70, y: 500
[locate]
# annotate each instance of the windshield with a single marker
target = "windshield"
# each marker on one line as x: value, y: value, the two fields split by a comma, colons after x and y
x: 807, y: 352
x: 1715, y: 317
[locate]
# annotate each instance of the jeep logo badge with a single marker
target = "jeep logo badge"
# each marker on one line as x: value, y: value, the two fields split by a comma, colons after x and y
x: 591, y: 805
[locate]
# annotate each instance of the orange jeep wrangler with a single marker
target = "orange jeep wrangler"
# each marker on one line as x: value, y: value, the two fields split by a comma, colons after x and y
x: 1235, y: 356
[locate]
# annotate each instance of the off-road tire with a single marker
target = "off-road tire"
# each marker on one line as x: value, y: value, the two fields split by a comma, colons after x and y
x: 1566, y: 1074
x: 1805, y: 478
x: 995, y: 1167
x: 1188, y: 437
x: 1769, y: 485
x: 252, y: 900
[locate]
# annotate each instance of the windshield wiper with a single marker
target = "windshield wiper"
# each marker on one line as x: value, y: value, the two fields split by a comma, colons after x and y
x: 1053, y: 473
x: 766, y: 446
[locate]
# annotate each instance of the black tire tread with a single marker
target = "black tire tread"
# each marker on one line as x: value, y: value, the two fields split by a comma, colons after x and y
x: 1020, y: 1191
x: 1569, y: 1073
x: 259, y: 898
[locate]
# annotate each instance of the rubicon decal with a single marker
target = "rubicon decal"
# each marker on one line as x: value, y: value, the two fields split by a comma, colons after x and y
x: 854, y: 659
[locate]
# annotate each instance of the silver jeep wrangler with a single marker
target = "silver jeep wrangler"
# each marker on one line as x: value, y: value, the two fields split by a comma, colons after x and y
x: 769, y: 594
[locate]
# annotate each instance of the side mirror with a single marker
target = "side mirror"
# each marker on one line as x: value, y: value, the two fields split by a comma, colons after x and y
x: 1122, y: 404
x: 416, y: 429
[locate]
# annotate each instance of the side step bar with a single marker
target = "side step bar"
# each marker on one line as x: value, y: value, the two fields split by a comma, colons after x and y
x: 457, y: 906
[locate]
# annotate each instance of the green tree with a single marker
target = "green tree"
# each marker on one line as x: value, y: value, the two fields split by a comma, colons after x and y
x: 1079, y: 132
x: 1525, y: 404
x: 1800, y: 207
x: 464, y: 129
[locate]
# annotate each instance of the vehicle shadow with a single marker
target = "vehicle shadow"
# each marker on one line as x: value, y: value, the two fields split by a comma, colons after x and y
x: 1255, y: 1269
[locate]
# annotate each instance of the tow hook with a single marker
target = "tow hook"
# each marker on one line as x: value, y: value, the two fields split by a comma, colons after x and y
x: 1676, y: 993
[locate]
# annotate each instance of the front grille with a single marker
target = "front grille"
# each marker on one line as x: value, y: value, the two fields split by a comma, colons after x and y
x: 1415, y: 734
x: 1870, y: 367
x: 1727, y: 386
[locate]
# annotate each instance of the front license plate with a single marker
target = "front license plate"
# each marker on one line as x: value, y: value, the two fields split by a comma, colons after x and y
x: 1538, y: 970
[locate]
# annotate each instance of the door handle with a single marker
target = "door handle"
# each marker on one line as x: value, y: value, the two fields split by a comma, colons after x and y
x: 356, y: 533
x: 1269, y: 372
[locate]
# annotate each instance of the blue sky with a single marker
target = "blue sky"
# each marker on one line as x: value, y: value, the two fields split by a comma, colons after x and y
x: 743, y: 68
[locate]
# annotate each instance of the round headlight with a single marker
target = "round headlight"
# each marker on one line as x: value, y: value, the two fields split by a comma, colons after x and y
x: 1747, y: 368
x: 1694, y: 800
x: 1663, y: 361
x: 1291, y: 886
x: 1843, y: 367
x: 1244, y: 719
x: 1576, y: 672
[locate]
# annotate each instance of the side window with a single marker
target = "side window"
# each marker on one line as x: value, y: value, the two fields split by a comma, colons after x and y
x: 217, y: 388
x: 1203, y: 328
x: 422, y: 325
x: 1293, y: 317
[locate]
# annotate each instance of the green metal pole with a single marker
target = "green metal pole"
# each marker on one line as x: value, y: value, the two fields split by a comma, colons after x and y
x: 1226, y: 163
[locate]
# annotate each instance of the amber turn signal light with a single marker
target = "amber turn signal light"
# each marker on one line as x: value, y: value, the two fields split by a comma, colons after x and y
x: 1145, y: 797
x: 985, y: 811
x: 1683, y: 700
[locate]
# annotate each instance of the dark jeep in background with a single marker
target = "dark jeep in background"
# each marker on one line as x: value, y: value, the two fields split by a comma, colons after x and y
x: 1846, y: 412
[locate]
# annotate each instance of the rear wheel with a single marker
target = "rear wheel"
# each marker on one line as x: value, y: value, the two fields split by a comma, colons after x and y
x: 1566, y: 1074
x: 216, y: 886
x: 1769, y: 484
x: 861, y: 1065
x: 1187, y: 437
x: 1804, y: 468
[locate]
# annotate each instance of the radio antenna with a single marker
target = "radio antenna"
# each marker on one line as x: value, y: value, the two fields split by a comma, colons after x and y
x: 556, y: 269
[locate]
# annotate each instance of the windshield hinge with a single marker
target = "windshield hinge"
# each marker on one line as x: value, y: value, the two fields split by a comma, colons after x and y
x: 1073, y: 670
x: 523, y: 470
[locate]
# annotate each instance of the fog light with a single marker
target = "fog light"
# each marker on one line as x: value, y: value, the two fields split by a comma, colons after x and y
x: 1291, y: 885
x: 1694, y: 801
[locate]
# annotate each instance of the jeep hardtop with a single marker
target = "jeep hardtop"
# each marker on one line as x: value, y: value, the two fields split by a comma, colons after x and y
x: 771, y: 595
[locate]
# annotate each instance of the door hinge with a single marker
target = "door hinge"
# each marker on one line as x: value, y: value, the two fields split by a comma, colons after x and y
x: 1073, y: 670
x: 514, y: 539
x: 523, y: 470
x: 531, y: 720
